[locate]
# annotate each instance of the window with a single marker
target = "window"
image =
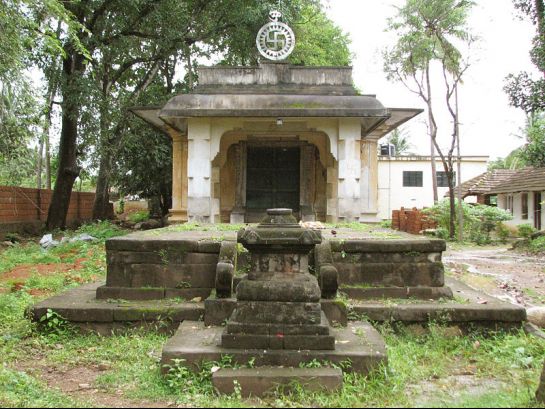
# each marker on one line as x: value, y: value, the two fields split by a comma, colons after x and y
x: 510, y: 204
x: 442, y: 180
x: 412, y: 179
x: 524, y: 201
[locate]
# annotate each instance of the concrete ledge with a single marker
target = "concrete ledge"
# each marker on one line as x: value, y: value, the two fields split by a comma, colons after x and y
x: 147, y: 294
x: 194, y: 344
x: 80, y: 307
x: 258, y: 382
x: 422, y: 293
x: 388, y: 246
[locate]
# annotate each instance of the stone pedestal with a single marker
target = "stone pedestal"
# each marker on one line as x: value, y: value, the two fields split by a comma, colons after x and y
x: 278, y: 304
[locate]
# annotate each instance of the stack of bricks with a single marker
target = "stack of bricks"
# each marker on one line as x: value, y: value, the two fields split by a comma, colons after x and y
x: 412, y: 221
x: 19, y: 204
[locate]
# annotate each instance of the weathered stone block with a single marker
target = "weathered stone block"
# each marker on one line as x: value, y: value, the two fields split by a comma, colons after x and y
x: 286, y: 287
x: 125, y: 293
x: 218, y: 311
x: 188, y: 293
x: 201, y: 258
x: 260, y: 381
x: 277, y: 312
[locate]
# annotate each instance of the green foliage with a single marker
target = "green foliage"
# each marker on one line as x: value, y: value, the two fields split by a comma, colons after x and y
x: 427, y: 30
x: 319, y: 41
x: 54, y: 324
x: 525, y: 230
x: 534, y: 150
x: 139, y: 216
x: 401, y: 141
x: 479, y: 221
x: 386, y: 224
x: 101, y: 230
x: 537, y: 245
x: 525, y: 91
x: 503, y: 232
x: 515, y: 160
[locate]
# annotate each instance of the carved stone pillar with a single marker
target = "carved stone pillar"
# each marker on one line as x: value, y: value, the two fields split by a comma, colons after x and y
x: 307, y: 185
x: 241, y: 156
x: 178, y: 213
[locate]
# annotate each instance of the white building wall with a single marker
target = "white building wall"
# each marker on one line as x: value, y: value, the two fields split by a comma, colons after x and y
x: 393, y: 195
x: 517, y: 208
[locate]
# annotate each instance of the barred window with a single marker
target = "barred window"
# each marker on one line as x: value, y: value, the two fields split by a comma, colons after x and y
x: 412, y: 179
x: 442, y: 180
x: 524, y: 200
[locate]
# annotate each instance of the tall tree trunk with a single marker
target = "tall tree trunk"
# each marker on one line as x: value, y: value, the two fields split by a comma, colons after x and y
x: 39, y: 165
x: 459, y: 170
x: 433, y: 135
x: 101, y: 205
x: 72, y: 69
x: 110, y: 144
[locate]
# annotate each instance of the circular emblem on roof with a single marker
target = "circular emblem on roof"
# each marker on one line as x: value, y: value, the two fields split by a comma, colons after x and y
x: 275, y: 40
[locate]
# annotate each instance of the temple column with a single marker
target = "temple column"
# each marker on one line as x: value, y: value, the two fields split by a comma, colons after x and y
x: 307, y: 183
x: 369, y: 181
x: 349, y: 173
x: 199, y: 170
x: 178, y: 213
x: 239, y: 210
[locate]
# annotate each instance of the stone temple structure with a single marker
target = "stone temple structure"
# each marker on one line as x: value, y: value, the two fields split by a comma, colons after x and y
x: 252, y: 138
x: 274, y: 144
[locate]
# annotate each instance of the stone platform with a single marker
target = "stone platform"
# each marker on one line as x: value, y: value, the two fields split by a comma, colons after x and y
x: 194, y: 343
x: 258, y: 382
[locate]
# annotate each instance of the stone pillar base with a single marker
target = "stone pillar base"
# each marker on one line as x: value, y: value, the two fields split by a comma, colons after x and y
x: 178, y: 216
x: 238, y: 216
x: 370, y: 218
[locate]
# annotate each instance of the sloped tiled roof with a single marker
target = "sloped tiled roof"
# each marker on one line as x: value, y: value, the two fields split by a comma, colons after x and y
x: 485, y: 183
x: 523, y: 180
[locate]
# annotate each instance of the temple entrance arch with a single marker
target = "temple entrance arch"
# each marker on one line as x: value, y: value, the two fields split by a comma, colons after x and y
x: 257, y: 172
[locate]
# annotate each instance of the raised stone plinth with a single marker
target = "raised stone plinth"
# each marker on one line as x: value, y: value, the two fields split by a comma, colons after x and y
x: 194, y: 344
x: 258, y: 382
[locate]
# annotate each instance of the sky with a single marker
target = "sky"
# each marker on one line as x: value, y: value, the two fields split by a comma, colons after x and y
x: 488, y: 125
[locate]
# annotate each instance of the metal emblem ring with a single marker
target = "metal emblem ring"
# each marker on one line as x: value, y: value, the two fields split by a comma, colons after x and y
x: 275, y: 41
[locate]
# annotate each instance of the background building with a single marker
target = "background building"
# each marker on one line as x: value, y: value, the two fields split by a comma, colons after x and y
x: 406, y: 181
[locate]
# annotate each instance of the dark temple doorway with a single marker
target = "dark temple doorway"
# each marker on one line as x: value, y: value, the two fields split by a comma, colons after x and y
x: 273, y: 175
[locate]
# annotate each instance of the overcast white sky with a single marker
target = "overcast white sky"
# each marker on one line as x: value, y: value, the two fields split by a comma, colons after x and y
x: 488, y: 124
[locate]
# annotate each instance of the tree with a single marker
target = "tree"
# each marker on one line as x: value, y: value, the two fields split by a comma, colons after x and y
x: 533, y: 152
x: 428, y: 32
x: 400, y: 139
x: 524, y: 91
x: 514, y: 160
x: 319, y: 41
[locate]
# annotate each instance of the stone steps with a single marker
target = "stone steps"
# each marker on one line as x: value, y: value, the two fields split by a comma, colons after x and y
x: 258, y: 382
x: 194, y: 343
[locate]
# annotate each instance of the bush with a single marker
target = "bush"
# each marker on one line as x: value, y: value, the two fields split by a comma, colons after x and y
x: 538, y: 245
x: 525, y: 230
x: 479, y: 220
x: 139, y: 216
x: 386, y: 224
x: 503, y: 232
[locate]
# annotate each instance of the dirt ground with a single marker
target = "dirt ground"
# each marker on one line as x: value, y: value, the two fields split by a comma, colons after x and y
x: 501, y: 272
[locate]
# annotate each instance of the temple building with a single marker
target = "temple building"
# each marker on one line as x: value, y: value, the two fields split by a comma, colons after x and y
x: 252, y: 138
x: 247, y: 139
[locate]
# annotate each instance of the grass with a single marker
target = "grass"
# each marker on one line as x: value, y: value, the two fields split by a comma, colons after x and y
x: 507, y: 365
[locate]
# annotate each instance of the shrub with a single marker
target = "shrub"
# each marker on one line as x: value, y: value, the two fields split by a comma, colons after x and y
x: 479, y: 220
x: 525, y: 230
x: 503, y: 232
x: 538, y: 245
x: 139, y: 216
